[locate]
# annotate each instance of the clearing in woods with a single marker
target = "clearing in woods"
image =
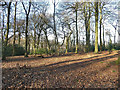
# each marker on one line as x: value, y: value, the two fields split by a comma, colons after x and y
x: 73, y: 71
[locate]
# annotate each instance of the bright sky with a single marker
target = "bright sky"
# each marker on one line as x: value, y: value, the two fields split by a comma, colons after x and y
x: 51, y: 8
x: 107, y: 25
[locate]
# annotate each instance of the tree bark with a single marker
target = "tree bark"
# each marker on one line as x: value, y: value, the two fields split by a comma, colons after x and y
x: 38, y: 42
x: 103, y: 38
x: 76, y: 30
x: 67, y: 41
x: 8, y: 20
x: 34, y: 40
x: 26, y: 30
x: 96, y: 27
x: 19, y: 37
x: 115, y: 36
x: 14, y: 29
x: 2, y: 37
x: 100, y: 27
x: 87, y: 27
x: 26, y: 37
x: 56, y: 38
x: 47, y: 41
x: 6, y: 36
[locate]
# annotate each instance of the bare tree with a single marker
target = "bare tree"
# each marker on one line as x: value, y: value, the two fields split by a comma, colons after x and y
x: 7, y: 33
x: 14, y: 29
x: 26, y: 31
x: 96, y: 27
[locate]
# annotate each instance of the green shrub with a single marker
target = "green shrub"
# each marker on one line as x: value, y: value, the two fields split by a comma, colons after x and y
x: 52, y: 51
x: 117, y: 46
x: 41, y: 51
x: 9, y: 50
x: 92, y: 48
x: 72, y: 49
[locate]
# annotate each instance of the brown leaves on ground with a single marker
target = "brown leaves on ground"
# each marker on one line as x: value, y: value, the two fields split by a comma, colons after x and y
x: 74, y: 71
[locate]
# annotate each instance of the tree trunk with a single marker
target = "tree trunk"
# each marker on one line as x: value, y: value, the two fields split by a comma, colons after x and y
x: 103, y: 38
x: 96, y: 27
x: 26, y: 37
x: 87, y: 26
x: 76, y: 34
x: 26, y: 30
x: 34, y: 40
x: 19, y: 37
x: 14, y: 30
x: 100, y: 27
x: 29, y: 45
x: 2, y: 38
x: 66, y: 45
x: 56, y: 38
x: 38, y: 42
x: 67, y: 42
x: 47, y: 41
x: 115, y: 36
x: 73, y: 38
x: 6, y: 36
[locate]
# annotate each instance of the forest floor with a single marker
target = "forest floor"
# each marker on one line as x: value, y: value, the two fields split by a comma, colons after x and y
x: 87, y: 70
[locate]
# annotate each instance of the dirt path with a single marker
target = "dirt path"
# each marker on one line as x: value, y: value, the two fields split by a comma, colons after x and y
x: 74, y: 71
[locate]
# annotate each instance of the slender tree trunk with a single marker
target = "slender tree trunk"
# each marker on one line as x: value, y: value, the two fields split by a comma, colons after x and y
x: 76, y: 34
x: 26, y: 30
x: 100, y: 28
x: 14, y: 29
x: 115, y: 36
x: 6, y: 36
x: 103, y: 38
x: 96, y: 27
x: 19, y: 37
x: 2, y: 37
x: 41, y: 40
x: 29, y: 45
x: 38, y: 42
x: 73, y: 38
x: 56, y: 38
x: 47, y: 41
x: 8, y: 20
x: 66, y: 45
x: 34, y: 40
x: 26, y: 37
x: 87, y: 26
x: 67, y: 42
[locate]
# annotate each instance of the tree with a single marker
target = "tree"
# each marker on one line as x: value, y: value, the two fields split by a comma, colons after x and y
x: 54, y: 20
x: 101, y: 6
x: 68, y: 35
x: 100, y: 27
x: 87, y: 16
x: 76, y: 10
x: 7, y: 33
x: 14, y: 29
x: 67, y: 40
x: 96, y: 27
x: 26, y: 30
x: 110, y: 46
x: 20, y: 29
x: 2, y: 36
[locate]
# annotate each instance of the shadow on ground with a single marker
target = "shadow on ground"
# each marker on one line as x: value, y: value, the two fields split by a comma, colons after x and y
x: 50, y: 70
